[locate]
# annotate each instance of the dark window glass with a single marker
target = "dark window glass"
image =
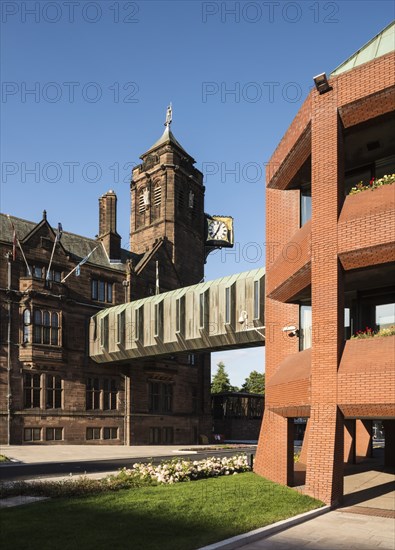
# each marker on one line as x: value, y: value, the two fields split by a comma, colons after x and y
x: 102, y: 291
x: 227, y: 305
x: 121, y: 328
x: 94, y: 290
x: 256, y: 299
x: 54, y: 392
x: 93, y: 433
x: 54, y: 434
x: 32, y: 390
x: 110, y: 433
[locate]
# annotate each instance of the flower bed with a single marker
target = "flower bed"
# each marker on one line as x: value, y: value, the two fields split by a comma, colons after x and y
x: 177, y: 470
x: 370, y: 333
x: 373, y: 184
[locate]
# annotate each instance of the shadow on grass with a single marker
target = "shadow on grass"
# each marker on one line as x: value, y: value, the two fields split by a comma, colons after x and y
x: 183, y: 516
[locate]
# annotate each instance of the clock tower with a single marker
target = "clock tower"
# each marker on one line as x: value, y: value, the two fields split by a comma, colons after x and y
x: 167, y: 220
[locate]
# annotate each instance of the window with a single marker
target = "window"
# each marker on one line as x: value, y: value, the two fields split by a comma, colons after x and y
x: 102, y: 291
x: 160, y: 397
x: 167, y: 433
x: 384, y: 316
x: 54, y: 391
x: 26, y: 326
x: 37, y: 272
x: 93, y: 394
x: 202, y: 310
x: 54, y: 434
x: 158, y: 319
x: 110, y: 433
x: 137, y: 323
x: 54, y: 275
x: 121, y: 328
x: 32, y: 434
x: 305, y: 207
x: 227, y: 305
x: 93, y: 433
x: 191, y: 359
x: 305, y: 328
x: 180, y: 315
x: 46, y: 327
x: 256, y: 300
x: 154, y: 436
x: 109, y: 394
x: 104, y: 332
x: 101, y: 394
x: 31, y: 390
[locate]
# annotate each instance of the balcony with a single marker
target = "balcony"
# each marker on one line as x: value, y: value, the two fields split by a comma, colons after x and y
x: 291, y: 271
x: 366, y: 377
x: 366, y: 228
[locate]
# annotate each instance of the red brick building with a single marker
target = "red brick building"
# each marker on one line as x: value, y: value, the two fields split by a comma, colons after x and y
x: 332, y: 275
x: 50, y: 389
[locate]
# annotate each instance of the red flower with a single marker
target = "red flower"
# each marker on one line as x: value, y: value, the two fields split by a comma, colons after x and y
x: 371, y: 181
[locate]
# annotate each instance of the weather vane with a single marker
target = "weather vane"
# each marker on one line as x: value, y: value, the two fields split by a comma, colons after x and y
x: 169, y: 115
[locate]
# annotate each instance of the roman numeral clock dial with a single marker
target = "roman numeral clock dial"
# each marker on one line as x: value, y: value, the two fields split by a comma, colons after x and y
x: 219, y: 231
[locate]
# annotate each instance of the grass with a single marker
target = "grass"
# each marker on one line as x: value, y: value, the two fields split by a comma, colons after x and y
x: 183, y: 516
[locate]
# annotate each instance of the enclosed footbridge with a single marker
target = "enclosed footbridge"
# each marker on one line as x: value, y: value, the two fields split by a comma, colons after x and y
x: 225, y: 313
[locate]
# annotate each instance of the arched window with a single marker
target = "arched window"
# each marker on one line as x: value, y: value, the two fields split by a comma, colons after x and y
x: 26, y: 326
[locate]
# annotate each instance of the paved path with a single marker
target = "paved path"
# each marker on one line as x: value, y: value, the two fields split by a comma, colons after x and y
x: 333, y: 531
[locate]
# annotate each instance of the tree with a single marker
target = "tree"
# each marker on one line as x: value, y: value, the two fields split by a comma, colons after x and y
x: 254, y: 383
x: 221, y: 380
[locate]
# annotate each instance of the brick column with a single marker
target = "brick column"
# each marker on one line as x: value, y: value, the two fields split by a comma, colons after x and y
x: 349, y: 441
x: 324, y: 475
x: 363, y: 438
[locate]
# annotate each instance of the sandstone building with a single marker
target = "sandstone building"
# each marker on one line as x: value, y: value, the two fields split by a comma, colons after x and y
x: 50, y: 390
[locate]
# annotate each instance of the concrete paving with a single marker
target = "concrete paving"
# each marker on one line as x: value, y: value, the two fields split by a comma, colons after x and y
x: 33, y: 454
x: 331, y: 531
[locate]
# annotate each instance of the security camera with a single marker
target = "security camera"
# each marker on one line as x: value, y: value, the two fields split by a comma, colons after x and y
x: 291, y: 331
x: 243, y: 317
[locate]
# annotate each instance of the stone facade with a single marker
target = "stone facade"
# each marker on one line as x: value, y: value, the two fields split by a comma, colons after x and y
x: 50, y: 390
x: 330, y: 275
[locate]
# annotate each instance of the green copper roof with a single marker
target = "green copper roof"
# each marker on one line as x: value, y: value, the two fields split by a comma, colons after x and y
x: 167, y: 137
x: 382, y: 43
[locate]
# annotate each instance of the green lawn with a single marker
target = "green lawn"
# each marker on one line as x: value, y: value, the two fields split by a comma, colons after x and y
x: 182, y: 516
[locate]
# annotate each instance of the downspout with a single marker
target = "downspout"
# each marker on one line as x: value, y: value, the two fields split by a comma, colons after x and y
x: 9, y: 396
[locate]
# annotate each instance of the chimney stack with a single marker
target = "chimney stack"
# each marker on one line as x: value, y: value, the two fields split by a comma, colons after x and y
x: 108, y: 225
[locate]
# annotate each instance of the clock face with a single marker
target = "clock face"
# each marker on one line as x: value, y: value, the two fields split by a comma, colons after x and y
x: 217, y: 230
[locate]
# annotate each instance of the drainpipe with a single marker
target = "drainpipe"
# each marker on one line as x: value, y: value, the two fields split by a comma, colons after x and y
x: 126, y: 419
x: 9, y: 256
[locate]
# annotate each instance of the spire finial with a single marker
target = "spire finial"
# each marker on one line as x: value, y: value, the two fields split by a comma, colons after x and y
x: 44, y: 214
x: 169, y: 116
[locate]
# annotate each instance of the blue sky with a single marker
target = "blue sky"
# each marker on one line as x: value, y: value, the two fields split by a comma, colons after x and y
x: 103, y: 74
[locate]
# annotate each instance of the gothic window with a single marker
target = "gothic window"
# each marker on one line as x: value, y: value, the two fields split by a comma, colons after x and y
x: 31, y: 390
x: 26, y: 326
x: 54, y: 391
x: 101, y: 394
x: 46, y: 327
x: 160, y: 397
